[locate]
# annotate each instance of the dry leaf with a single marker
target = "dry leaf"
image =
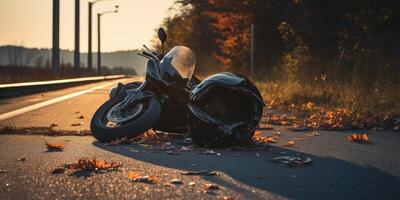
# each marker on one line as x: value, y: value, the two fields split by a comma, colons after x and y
x: 93, y: 164
x: 176, y: 181
x: 58, y: 170
x: 77, y: 124
x: 210, y: 186
x: 53, y: 125
x: 258, y: 137
x: 225, y: 197
x: 118, y: 141
x: 289, y: 144
x: 169, y: 185
x: 209, y: 152
x: 358, y: 137
x: 54, y: 146
x: 293, y: 161
x: 263, y: 126
x: 143, y: 179
x: 133, y: 175
x: 298, y: 128
x: 201, y: 172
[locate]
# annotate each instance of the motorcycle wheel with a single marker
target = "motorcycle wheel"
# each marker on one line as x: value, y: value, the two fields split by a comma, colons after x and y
x: 140, y: 117
x: 130, y: 86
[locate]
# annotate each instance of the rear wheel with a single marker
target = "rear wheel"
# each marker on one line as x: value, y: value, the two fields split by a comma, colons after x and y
x: 109, y: 122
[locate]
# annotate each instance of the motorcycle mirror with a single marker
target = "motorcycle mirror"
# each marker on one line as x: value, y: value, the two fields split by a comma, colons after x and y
x: 162, y: 35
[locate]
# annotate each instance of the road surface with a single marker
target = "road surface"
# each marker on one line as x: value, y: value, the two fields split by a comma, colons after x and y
x: 340, y: 169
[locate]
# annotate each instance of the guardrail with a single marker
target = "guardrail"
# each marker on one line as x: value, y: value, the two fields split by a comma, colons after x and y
x: 15, y: 89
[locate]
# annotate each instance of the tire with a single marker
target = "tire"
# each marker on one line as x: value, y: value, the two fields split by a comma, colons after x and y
x: 132, y: 128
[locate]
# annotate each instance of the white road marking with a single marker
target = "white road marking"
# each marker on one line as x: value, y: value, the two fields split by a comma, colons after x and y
x: 20, y: 111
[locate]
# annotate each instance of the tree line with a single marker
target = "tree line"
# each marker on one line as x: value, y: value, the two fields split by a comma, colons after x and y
x: 294, y: 39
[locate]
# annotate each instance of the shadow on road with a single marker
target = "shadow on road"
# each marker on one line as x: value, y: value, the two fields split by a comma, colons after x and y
x: 326, y: 178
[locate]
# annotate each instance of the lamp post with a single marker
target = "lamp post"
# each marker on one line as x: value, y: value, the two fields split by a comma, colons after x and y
x: 77, y: 61
x: 98, y: 37
x: 90, y: 58
x: 55, y: 58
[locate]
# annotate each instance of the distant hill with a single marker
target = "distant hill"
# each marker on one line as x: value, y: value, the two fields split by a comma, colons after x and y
x: 21, y: 56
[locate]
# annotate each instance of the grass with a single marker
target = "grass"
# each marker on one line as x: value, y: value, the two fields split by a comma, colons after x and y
x: 380, y: 103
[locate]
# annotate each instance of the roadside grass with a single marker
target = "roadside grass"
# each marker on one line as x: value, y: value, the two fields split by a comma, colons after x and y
x: 378, y: 105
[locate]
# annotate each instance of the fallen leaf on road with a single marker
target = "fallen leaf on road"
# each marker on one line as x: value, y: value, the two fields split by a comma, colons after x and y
x: 258, y: 137
x: 313, y: 134
x: 209, y: 192
x: 201, y: 172
x: 358, y: 137
x: 192, y: 183
x: 293, y: 161
x: 225, y: 197
x: 54, y: 146
x: 93, y: 164
x: 209, y: 152
x: 77, y: 124
x: 186, y: 148
x: 210, y: 186
x: 143, y: 179
x: 176, y: 181
x: 265, y: 127
x: 58, y: 170
x: 133, y: 175
x: 173, y: 153
x: 169, y: 185
x: 298, y: 128
x: 118, y: 141
x: 289, y: 144
x: 53, y: 125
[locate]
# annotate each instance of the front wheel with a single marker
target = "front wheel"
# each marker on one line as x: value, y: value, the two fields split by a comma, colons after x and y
x: 109, y: 122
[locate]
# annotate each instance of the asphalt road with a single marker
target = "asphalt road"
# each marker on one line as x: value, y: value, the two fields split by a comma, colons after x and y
x: 340, y: 169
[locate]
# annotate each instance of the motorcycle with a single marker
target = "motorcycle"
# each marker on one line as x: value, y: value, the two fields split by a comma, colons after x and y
x: 160, y: 102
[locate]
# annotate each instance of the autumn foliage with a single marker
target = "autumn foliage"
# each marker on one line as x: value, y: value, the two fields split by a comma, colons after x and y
x: 342, y: 53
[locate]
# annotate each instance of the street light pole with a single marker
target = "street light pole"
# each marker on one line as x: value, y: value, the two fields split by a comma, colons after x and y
x: 90, y: 57
x: 252, y: 50
x: 99, y: 37
x: 98, y: 45
x: 77, y: 61
x: 89, y: 61
x: 55, y: 55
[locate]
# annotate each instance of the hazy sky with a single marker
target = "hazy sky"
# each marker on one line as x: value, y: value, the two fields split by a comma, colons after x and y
x: 29, y: 23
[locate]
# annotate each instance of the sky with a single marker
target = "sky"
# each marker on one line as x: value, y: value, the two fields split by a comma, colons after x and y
x: 29, y: 23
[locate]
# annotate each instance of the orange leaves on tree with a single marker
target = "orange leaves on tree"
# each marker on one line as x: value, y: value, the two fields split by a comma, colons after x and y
x: 54, y: 146
x: 358, y: 137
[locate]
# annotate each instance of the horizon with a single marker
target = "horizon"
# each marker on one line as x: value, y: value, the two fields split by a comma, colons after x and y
x: 36, y: 31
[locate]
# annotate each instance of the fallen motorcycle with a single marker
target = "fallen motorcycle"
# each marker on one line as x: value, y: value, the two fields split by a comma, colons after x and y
x: 160, y: 102
x: 223, y: 109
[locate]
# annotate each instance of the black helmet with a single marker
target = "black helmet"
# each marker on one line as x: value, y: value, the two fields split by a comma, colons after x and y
x: 225, y: 109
